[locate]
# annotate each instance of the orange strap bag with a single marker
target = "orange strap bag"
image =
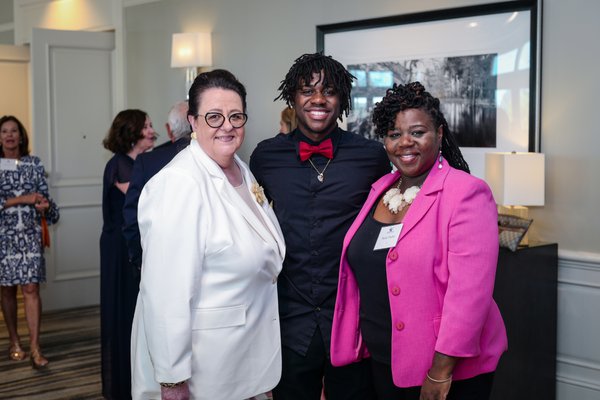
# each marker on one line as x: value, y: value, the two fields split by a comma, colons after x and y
x: 45, y: 233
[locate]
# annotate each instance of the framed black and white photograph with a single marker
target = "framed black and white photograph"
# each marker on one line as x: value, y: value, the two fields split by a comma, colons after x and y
x: 481, y: 62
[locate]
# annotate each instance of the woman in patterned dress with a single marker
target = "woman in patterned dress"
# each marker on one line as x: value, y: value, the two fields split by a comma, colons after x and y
x: 24, y: 199
x: 130, y: 134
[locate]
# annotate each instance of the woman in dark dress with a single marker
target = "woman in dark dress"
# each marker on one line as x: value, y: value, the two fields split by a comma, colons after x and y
x: 130, y: 134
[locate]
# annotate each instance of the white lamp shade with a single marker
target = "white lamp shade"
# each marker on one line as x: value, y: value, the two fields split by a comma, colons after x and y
x: 516, y: 179
x: 191, y: 50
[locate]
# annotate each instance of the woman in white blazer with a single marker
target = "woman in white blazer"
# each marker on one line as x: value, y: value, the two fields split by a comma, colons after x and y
x: 206, y: 324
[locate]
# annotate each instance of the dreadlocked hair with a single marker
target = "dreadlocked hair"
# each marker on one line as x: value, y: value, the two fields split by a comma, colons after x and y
x: 334, y: 75
x: 414, y: 95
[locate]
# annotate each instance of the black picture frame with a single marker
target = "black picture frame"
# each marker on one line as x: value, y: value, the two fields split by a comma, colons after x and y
x: 447, y: 33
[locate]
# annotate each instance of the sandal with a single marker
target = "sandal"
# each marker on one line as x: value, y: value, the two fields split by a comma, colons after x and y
x: 38, y: 361
x: 16, y: 353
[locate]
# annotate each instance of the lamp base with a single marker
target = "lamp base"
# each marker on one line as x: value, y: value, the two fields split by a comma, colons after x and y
x: 190, y: 75
x: 517, y: 211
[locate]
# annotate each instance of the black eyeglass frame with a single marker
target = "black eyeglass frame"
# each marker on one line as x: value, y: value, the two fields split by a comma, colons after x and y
x: 223, y: 119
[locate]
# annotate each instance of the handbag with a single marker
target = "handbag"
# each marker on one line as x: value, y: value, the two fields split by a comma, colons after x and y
x: 45, y: 232
x: 511, y: 230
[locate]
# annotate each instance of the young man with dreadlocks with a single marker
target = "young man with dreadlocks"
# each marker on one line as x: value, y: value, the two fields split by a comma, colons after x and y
x: 318, y: 177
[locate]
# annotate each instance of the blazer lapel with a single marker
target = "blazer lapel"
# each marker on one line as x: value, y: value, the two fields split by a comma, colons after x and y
x: 228, y: 194
x: 376, y: 189
x: 426, y: 197
x: 274, y: 234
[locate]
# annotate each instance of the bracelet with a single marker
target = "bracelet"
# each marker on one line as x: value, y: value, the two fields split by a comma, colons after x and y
x: 448, y: 379
x: 172, y: 385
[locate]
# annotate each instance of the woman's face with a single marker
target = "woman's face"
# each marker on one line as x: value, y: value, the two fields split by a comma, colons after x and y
x: 146, y: 142
x: 219, y: 143
x: 10, y: 136
x: 414, y: 143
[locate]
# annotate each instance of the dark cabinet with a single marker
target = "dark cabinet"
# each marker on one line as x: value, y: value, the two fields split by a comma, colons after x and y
x: 525, y: 291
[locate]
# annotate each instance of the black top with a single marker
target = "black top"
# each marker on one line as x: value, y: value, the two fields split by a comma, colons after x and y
x: 314, y: 217
x: 369, y: 268
x: 118, y: 284
x: 118, y: 169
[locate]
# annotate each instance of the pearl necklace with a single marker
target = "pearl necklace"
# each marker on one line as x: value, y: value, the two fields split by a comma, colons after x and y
x: 396, y: 201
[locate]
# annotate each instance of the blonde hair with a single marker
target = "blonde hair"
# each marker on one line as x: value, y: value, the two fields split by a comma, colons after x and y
x: 288, y: 117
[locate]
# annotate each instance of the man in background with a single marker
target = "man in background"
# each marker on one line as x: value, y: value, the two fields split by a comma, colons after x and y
x: 145, y: 167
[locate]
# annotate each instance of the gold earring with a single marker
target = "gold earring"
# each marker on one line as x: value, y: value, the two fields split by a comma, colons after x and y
x: 194, y: 136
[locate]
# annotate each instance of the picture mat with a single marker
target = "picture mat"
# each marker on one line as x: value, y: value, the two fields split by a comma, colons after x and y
x: 507, y: 34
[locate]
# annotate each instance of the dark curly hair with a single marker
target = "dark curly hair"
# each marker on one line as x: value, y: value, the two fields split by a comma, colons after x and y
x: 218, y: 78
x: 23, y: 137
x: 302, y: 72
x: 414, y: 95
x: 125, y: 131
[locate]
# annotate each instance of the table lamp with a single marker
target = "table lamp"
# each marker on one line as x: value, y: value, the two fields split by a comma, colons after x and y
x: 516, y: 180
x: 191, y: 51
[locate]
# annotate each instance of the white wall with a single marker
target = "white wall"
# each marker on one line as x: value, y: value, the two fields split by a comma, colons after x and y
x: 571, y: 140
x: 259, y: 39
x: 6, y: 22
x: 14, y: 83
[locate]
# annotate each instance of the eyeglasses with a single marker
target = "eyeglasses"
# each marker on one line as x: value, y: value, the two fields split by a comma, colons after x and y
x: 216, y: 119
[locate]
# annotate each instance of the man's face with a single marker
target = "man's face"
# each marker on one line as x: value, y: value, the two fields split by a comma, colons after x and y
x: 317, y: 108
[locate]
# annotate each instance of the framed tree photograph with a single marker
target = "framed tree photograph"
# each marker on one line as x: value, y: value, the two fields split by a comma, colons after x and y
x: 482, y: 62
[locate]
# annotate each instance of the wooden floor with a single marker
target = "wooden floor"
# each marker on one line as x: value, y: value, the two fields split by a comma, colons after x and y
x: 71, y: 342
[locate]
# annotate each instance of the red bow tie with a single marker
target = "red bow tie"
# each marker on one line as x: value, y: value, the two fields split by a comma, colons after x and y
x: 325, y: 148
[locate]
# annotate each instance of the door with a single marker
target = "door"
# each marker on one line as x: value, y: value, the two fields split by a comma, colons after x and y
x: 72, y: 100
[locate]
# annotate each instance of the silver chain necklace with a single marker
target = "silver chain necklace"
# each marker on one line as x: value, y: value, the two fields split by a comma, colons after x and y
x: 320, y: 175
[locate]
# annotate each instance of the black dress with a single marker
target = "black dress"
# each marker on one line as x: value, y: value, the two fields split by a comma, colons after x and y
x: 119, y: 284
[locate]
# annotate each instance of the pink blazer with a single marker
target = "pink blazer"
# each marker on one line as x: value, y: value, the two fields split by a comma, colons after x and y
x: 440, y: 281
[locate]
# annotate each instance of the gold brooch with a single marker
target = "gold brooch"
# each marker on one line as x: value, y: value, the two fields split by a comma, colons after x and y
x: 259, y: 193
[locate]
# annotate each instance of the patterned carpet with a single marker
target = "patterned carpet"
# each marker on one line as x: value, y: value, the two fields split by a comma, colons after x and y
x: 71, y: 341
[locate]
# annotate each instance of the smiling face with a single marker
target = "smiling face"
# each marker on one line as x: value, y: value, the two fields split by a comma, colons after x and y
x: 413, y: 145
x: 10, y: 136
x: 317, y: 108
x: 146, y: 142
x: 219, y: 143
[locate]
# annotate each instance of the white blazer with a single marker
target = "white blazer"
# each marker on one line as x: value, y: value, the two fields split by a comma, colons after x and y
x: 207, y: 308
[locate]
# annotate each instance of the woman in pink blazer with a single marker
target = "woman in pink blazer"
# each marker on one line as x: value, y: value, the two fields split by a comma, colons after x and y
x: 418, y: 264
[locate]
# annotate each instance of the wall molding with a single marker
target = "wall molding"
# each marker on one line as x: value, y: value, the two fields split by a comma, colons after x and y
x: 579, y: 269
x: 131, y: 3
x: 578, y: 275
x: 25, y: 3
x: 579, y: 363
x: 7, y: 27
x: 580, y: 257
x: 583, y: 383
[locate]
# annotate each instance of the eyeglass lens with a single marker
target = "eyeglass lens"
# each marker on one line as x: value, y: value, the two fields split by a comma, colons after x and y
x: 216, y: 120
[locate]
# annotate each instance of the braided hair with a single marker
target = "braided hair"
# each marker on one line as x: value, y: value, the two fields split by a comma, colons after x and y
x: 414, y: 95
x: 301, y: 73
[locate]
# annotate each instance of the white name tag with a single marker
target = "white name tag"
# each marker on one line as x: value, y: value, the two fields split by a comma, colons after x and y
x: 388, y: 237
x: 8, y: 164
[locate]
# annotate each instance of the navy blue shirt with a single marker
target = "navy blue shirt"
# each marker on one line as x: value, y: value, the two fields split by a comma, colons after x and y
x: 314, y: 217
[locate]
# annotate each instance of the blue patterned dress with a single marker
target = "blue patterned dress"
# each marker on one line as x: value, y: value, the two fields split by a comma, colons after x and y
x: 21, y: 252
